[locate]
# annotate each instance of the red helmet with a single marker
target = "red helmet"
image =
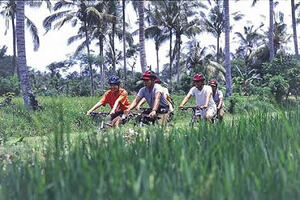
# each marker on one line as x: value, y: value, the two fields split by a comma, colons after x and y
x: 198, y: 77
x: 213, y: 82
x: 148, y: 75
x: 157, y: 80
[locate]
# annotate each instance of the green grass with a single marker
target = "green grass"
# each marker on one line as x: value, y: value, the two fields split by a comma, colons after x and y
x: 250, y: 156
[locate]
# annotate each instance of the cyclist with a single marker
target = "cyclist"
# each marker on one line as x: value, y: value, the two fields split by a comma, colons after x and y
x: 154, y: 95
x: 218, y: 98
x: 117, y: 98
x: 204, y: 99
x: 165, y: 93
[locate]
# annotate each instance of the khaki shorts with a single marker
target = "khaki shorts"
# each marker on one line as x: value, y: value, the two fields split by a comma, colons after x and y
x: 163, y: 118
x: 211, y: 111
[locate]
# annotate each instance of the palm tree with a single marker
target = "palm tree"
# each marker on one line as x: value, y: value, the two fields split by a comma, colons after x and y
x: 227, y: 49
x: 271, y: 28
x: 9, y: 12
x: 156, y: 32
x: 184, y: 26
x: 124, y: 41
x: 74, y: 15
x: 294, y: 28
x: 142, y: 35
x: 159, y: 35
x: 214, y: 23
x: 175, y: 16
x: 29, y: 98
x: 164, y: 17
x: 250, y: 39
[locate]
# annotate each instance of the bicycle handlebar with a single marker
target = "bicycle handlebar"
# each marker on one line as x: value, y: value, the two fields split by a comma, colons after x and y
x: 102, y: 114
x: 191, y: 107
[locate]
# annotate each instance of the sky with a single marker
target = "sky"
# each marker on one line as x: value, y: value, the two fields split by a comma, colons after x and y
x: 54, y: 48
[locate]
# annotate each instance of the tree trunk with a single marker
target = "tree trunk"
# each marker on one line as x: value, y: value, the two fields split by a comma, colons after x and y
x: 157, y: 58
x: 227, y: 49
x: 102, y: 70
x: 218, y: 48
x: 178, y: 41
x: 112, y: 43
x: 142, y: 36
x: 294, y: 28
x: 14, y: 44
x: 271, y: 31
x: 124, y: 42
x: 171, y: 59
x: 29, y: 98
x: 87, y: 43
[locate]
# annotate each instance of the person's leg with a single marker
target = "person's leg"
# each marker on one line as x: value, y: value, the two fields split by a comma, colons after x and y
x: 116, y: 122
x: 210, y: 113
x: 163, y: 118
x: 221, y: 114
x: 116, y: 119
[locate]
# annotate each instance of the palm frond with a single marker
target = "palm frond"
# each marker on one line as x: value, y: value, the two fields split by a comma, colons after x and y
x: 80, y: 48
x: 74, y: 38
x: 47, y: 23
x: 63, y: 4
x: 66, y: 19
x: 34, y: 33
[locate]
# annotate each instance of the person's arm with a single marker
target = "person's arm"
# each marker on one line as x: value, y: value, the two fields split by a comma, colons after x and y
x: 155, y: 105
x: 133, y: 105
x: 140, y: 103
x: 97, y: 105
x: 220, y: 103
x: 116, y: 104
x: 120, y: 100
x: 186, y: 98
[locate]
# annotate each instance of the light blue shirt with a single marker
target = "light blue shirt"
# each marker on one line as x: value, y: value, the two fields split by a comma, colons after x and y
x: 150, y: 96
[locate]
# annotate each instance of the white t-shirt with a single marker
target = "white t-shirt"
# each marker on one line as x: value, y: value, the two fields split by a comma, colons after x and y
x: 201, y: 95
x: 165, y: 92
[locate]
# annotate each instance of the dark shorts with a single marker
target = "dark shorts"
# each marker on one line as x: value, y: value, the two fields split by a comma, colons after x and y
x: 160, y: 110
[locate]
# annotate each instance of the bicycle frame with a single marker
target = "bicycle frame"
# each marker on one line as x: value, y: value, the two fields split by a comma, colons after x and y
x: 101, y: 116
x: 194, y: 116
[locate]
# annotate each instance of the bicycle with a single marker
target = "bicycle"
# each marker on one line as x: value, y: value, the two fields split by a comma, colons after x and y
x: 100, y: 117
x: 195, y: 114
x: 141, y: 119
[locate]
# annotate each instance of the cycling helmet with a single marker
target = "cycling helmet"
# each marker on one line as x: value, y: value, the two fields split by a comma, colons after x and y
x: 148, y: 75
x: 157, y: 80
x: 213, y: 82
x: 198, y: 77
x: 114, y: 80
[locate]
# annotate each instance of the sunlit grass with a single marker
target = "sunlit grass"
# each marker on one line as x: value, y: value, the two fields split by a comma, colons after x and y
x: 252, y: 156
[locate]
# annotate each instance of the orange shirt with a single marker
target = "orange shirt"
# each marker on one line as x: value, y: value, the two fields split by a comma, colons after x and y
x: 110, y: 98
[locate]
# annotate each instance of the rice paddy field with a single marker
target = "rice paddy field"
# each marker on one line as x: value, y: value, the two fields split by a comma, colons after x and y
x: 60, y: 153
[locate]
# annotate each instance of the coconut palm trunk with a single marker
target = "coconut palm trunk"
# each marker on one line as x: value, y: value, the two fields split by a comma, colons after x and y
x: 171, y: 59
x: 178, y: 42
x: 271, y: 30
x: 124, y: 41
x: 227, y: 49
x: 87, y: 42
x: 29, y: 98
x: 102, y: 69
x: 142, y: 36
x: 14, y: 44
x: 218, y: 48
x: 157, y: 57
x: 294, y: 28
